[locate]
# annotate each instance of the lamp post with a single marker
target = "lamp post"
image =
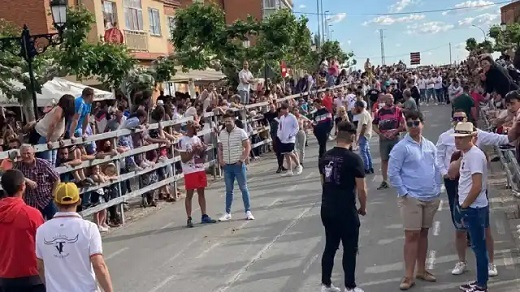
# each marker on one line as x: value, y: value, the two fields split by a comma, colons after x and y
x: 483, y: 32
x: 29, y: 46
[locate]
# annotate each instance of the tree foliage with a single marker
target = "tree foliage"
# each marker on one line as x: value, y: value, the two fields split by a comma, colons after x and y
x: 505, y: 39
x: 471, y: 44
x: 333, y: 49
x: 202, y: 39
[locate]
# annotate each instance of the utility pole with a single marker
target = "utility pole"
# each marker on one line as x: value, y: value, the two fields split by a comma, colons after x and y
x: 318, y: 45
x: 322, y: 23
x: 327, y: 26
x: 382, y: 36
x: 450, y: 55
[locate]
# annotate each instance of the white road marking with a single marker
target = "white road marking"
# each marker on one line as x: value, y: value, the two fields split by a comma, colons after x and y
x: 443, y: 189
x: 381, y: 282
x: 180, y: 252
x: 394, y: 226
x: 309, y: 264
x: 311, y: 174
x: 377, y: 177
x: 162, y: 228
x: 430, y: 261
x: 500, y: 227
x: 292, y: 188
x: 274, y: 202
x: 436, y: 228
x: 120, y: 251
x: 253, y: 260
x: 441, y: 206
x: 204, y: 252
x: 508, y: 261
x: 162, y: 284
x: 389, y: 240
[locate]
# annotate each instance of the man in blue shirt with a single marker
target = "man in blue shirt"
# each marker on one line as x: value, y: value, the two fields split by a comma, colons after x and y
x: 80, y: 120
x: 413, y: 172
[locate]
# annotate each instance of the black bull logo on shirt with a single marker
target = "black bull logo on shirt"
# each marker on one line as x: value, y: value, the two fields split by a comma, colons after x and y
x: 60, y: 241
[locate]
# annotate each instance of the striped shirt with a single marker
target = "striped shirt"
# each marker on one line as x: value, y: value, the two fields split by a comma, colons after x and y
x: 231, y: 143
x: 45, y: 176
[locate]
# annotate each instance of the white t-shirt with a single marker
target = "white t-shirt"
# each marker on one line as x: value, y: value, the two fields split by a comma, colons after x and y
x: 288, y: 128
x: 438, y: 82
x: 196, y: 163
x: 340, y: 101
x: 364, y: 118
x: 430, y: 83
x: 421, y: 83
x: 474, y: 161
x: 247, y: 75
x: 356, y: 117
x: 65, y: 244
x: 351, y: 101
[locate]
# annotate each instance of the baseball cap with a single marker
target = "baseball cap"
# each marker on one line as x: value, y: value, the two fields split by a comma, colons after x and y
x: 66, y: 194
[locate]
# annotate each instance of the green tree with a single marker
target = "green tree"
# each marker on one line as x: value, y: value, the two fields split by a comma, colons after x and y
x: 471, y: 44
x: 333, y: 49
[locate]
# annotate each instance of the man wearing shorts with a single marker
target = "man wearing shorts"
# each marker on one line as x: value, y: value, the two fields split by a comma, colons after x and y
x: 388, y: 123
x: 193, y: 156
x: 413, y: 172
x: 288, y: 128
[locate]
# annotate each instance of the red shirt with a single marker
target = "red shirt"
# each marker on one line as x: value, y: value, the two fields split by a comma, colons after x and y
x: 18, y: 224
x: 327, y: 102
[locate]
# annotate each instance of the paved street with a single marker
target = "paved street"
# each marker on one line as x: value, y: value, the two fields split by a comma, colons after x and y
x: 281, y: 249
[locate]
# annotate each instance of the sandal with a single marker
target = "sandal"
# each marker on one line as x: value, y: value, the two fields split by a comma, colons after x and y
x: 406, y: 283
x: 426, y: 276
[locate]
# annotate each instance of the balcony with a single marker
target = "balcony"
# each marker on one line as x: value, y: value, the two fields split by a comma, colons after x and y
x: 136, y: 40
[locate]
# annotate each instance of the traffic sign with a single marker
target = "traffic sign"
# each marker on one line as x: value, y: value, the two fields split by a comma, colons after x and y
x: 415, y: 58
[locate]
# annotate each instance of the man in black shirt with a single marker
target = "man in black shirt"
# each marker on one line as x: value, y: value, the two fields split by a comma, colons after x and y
x: 342, y: 175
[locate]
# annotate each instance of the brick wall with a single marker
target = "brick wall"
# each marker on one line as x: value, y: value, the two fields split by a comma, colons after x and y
x: 510, y: 13
x: 34, y: 13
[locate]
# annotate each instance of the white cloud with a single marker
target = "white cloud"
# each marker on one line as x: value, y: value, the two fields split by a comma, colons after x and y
x: 482, y: 19
x: 431, y: 27
x: 477, y: 4
x: 302, y: 6
x: 388, y: 20
x: 349, y: 42
x: 400, y: 5
x: 337, y: 18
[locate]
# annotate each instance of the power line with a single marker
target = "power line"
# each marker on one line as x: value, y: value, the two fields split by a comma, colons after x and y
x: 404, y: 55
x: 413, y: 12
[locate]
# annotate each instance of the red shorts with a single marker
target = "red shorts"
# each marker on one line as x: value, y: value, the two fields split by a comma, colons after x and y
x: 195, y: 180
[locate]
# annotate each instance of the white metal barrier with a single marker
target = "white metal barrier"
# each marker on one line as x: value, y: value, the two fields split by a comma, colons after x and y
x: 114, y: 135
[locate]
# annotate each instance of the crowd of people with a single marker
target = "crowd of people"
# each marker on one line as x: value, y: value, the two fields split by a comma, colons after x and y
x: 351, y: 107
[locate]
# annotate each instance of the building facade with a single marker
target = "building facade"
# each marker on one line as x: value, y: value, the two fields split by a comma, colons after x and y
x: 510, y: 13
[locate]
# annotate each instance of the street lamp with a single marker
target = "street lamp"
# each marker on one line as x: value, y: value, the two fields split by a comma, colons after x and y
x: 483, y: 32
x: 29, y: 46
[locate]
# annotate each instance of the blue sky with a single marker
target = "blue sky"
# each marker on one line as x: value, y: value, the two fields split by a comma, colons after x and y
x: 356, y: 27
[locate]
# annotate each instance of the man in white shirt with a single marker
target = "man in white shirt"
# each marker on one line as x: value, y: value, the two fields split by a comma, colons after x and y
x: 430, y: 89
x: 438, y: 88
x: 287, y: 130
x: 245, y: 78
x: 454, y: 90
x: 421, y: 84
x: 473, y: 205
x: 445, y: 149
x: 233, y: 151
x: 69, y: 249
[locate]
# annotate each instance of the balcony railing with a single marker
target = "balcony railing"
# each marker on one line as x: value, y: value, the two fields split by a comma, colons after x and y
x: 136, y: 40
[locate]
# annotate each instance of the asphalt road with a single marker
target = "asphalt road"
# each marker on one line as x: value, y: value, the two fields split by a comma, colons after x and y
x: 281, y: 249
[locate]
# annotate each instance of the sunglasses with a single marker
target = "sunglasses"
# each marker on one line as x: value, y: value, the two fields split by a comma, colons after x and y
x: 458, y: 119
x: 413, y: 124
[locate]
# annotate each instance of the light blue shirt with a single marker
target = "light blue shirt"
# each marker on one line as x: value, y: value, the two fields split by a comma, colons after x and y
x: 413, y: 169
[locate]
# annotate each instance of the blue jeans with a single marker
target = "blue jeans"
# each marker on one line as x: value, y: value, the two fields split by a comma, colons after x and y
x: 47, y: 155
x: 244, y: 96
x: 364, y: 150
x: 238, y: 172
x: 475, y: 220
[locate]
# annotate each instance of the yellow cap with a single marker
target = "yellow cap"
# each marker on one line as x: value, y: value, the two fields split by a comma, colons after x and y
x: 66, y: 194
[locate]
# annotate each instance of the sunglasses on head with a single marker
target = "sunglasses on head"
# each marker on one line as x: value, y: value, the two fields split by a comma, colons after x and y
x: 458, y: 119
x: 413, y: 124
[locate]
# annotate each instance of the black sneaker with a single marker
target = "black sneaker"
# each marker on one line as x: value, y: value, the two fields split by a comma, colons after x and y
x: 383, y: 185
x: 468, y: 286
x: 367, y: 171
x: 372, y: 170
x: 189, y: 223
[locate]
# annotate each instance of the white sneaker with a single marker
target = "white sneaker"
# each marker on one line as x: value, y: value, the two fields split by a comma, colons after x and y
x: 332, y: 288
x: 459, y: 269
x: 288, y: 173
x: 102, y: 229
x: 357, y: 289
x: 492, y: 270
x: 225, y: 217
x: 299, y: 169
x: 249, y: 216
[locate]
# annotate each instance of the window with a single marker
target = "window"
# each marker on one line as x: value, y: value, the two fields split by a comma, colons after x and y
x: 109, y: 14
x: 270, y: 4
x: 155, y: 21
x: 133, y: 15
x: 171, y: 25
